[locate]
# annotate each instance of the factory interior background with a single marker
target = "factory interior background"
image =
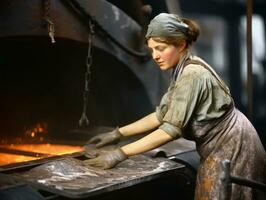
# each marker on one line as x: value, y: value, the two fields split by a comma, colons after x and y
x: 69, y: 68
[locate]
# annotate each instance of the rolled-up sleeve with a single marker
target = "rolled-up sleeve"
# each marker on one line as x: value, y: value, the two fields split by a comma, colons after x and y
x: 174, y: 131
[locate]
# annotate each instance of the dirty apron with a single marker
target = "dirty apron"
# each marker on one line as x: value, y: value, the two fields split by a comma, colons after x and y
x: 234, y: 138
x: 230, y: 137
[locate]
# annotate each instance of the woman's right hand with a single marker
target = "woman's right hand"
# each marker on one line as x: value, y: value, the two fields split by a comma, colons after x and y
x: 105, y: 138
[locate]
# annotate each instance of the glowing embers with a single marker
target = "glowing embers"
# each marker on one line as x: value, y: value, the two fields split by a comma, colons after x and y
x: 32, y: 146
x: 37, y: 131
x: 6, y: 159
x: 28, y: 152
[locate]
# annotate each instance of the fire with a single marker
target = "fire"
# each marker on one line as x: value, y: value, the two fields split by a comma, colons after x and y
x: 6, y: 159
x: 20, y: 151
x: 48, y: 149
x: 38, y: 130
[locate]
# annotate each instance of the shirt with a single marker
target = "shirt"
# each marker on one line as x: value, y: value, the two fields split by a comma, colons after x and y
x: 197, y: 94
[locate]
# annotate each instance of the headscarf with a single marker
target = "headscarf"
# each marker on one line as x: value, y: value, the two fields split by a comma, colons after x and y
x: 166, y: 25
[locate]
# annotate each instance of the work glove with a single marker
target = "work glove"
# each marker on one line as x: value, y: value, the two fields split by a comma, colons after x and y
x: 107, y: 160
x: 105, y: 138
x: 90, y: 151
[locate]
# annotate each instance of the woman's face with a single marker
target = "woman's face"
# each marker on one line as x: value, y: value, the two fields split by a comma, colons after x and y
x: 165, y: 55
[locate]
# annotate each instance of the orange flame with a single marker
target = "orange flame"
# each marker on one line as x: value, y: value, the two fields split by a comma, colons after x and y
x: 51, y: 149
x: 40, y: 129
x: 38, y: 132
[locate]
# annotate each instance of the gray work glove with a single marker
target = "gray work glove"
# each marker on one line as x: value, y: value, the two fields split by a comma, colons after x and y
x: 107, y: 160
x: 105, y: 138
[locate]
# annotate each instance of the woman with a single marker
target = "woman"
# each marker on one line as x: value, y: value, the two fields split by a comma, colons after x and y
x: 197, y: 106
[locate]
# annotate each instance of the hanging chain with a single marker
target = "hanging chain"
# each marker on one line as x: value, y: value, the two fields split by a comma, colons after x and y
x: 84, y: 119
x: 48, y: 21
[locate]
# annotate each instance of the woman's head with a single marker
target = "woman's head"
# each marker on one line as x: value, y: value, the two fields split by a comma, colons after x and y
x: 168, y: 36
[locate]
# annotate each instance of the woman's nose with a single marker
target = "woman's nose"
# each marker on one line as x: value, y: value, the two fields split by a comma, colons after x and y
x: 155, y: 56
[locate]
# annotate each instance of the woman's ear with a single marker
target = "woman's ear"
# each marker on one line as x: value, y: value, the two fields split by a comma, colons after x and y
x: 182, y: 46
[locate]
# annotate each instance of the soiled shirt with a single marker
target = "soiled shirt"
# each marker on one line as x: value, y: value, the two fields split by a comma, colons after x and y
x: 196, y: 95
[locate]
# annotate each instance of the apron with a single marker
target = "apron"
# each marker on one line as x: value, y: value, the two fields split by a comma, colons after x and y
x: 230, y: 137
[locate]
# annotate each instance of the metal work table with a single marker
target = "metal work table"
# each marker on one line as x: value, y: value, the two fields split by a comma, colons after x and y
x: 69, y: 178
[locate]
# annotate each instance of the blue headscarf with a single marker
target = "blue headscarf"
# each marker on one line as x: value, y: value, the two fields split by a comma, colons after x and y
x: 166, y: 25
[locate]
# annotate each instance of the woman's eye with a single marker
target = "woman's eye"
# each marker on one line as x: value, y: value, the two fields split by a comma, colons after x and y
x: 161, y: 48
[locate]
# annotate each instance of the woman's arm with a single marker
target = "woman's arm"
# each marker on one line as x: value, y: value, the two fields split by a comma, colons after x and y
x: 149, y: 142
x: 148, y: 123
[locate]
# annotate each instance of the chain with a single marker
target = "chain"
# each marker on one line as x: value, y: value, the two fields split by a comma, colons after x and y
x: 84, y: 119
x: 48, y: 21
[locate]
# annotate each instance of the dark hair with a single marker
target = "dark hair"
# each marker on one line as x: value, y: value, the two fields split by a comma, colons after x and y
x: 193, y: 30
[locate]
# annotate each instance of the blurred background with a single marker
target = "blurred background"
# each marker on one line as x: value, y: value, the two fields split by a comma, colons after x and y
x: 70, y: 69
